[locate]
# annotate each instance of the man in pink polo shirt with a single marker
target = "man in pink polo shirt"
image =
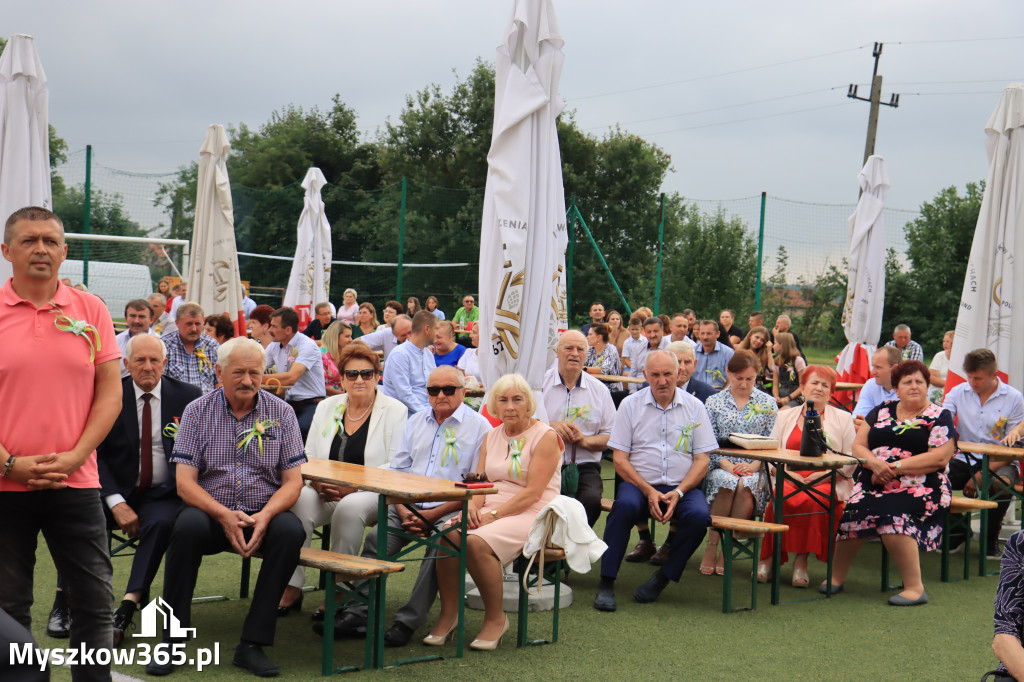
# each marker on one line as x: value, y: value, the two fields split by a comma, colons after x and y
x: 59, y: 381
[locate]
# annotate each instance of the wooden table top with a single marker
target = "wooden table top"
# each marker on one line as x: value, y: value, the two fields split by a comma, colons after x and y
x: 847, y: 386
x: 397, y: 485
x: 791, y: 457
x: 1001, y: 453
x: 612, y: 379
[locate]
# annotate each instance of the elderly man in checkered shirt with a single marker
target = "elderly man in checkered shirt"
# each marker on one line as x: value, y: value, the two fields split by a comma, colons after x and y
x: 238, y: 452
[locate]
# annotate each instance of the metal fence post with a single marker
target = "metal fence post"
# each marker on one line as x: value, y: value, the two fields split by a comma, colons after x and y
x: 569, y: 254
x: 401, y: 240
x: 661, y: 257
x: 760, y: 254
x: 86, y: 219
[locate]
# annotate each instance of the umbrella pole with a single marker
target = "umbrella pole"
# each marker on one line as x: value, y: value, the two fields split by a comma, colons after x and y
x: 86, y: 219
x: 760, y: 254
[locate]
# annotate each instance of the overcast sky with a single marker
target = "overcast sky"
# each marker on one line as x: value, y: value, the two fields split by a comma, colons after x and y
x: 141, y: 81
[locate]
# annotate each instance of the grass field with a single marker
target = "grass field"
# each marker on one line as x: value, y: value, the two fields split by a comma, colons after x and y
x: 853, y: 636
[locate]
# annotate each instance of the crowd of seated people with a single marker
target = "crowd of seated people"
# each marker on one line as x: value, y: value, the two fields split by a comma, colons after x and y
x: 660, y: 393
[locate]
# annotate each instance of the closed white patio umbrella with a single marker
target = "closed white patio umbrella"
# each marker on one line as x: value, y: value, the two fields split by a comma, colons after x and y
x: 310, y: 279
x: 213, y: 278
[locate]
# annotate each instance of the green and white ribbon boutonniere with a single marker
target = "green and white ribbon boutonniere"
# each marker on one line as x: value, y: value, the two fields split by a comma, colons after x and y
x: 908, y: 425
x: 578, y: 412
x: 515, y: 453
x: 65, y: 323
x: 756, y: 409
x: 259, y: 432
x: 450, y: 441
x: 171, y: 429
x: 685, y: 436
x: 336, y: 422
x: 716, y: 375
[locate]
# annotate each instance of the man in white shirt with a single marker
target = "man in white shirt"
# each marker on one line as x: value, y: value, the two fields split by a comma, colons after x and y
x: 879, y: 388
x: 441, y: 442
x: 139, y: 316
x: 385, y: 340
x: 409, y: 365
x: 162, y: 320
x: 660, y: 443
x: 654, y: 332
x: 681, y: 330
x: 294, y: 360
x: 986, y: 409
x: 179, y: 299
x: 137, y: 481
x: 581, y: 411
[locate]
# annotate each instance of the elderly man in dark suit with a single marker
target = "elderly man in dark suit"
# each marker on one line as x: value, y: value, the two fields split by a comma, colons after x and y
x: 136, y: 477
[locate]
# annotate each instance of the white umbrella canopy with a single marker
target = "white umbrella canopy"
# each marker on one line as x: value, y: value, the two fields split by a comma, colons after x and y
x: 865, y: 285
x: 213, y: 278
x: 991, y: 285
x: 523, y: 235
x: 24, y: 132
x: 310, y: 279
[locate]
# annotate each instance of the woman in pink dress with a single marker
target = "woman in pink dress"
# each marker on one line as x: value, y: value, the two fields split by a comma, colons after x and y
x: 521, y: 457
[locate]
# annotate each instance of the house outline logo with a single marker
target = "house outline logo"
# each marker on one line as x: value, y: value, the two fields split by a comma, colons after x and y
x: 159, y: 610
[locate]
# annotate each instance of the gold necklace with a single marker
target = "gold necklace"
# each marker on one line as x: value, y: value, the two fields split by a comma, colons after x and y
x: 355, y: 419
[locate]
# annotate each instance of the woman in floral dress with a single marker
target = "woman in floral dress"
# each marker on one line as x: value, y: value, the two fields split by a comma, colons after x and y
x: 733, y: 484
x: 905, y: 445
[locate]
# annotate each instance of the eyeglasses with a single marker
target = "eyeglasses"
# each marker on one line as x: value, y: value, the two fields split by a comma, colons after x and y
x: 475, y: 477
x: 448, y: 390
x: 366, y: 374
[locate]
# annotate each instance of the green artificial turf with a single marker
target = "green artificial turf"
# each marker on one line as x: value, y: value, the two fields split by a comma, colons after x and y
x: 853, y: 636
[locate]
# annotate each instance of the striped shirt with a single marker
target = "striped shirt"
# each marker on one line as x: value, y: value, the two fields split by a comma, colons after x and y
x: 239, y: 478
x: 185, y: 366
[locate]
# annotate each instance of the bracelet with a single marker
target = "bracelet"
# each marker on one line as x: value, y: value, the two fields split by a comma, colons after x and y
x: 8, y: 465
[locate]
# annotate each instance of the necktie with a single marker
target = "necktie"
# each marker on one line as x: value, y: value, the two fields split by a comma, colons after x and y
x: 146, y: 445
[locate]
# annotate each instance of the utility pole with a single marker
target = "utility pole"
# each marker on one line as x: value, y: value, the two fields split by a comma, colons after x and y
x: 875, y: 100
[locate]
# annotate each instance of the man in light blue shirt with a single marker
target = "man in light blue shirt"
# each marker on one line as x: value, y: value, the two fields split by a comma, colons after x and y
x: 712, y: 356
x: 294, y: 360
x: 879, y: 388
x: 389, y: 338
x: 410, y: 363
x: 441, y: 442
x: 986, y: 410
x: 660, y: 444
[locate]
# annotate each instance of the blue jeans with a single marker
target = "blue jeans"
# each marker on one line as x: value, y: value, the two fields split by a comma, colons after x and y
x: 691, y: 514
x: 75, y: 530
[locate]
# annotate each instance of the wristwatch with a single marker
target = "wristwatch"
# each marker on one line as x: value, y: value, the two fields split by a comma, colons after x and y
x: 494, y: 514
x: 679, y: 492
x: 899, y: 465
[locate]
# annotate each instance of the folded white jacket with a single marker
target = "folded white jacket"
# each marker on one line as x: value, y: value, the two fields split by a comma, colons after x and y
x: 563, y: 523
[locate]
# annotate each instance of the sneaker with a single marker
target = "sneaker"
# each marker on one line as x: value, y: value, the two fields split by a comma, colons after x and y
x: 123, y: 619
x: 59, y: 623
x: 643, y: 551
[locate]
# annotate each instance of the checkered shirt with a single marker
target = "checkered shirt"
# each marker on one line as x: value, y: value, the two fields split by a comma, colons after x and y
x: 184, y: 366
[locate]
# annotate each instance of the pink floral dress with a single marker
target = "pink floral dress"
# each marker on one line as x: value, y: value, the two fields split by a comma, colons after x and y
x: 908, y: 504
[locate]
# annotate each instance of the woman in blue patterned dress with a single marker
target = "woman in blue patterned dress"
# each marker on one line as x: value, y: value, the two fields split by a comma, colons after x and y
x: 733, y: 485
x: 602, y: 356
x: 905, y: 445
x: 1009, y: 614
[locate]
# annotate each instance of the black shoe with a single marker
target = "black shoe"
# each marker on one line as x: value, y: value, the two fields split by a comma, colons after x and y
x: 252, y: 658
x: 294, y: 606
x: 317, y: 616
x: 160, y: 669
x: 59, y: 624
x: 661, y: 556
x: 345, y: 625
x: 605, y: 599
x: 956, y: 545
x: 643, y: 551
x: 123, y: 619
x: 398, y: 634
x: 649, y: 591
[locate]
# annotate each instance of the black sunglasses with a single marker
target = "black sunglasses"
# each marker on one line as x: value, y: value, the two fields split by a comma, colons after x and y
x: 366, y: 374
x: 448, y: 390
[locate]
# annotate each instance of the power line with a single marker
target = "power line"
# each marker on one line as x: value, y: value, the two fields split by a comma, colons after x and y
x: 718, y: 75
x: 721, y: 108
x: 954, y: 40
x: 745, y: 120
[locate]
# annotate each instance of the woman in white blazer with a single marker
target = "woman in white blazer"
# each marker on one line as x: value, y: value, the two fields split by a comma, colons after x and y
x: 360, y: 426
x: 811, y: 533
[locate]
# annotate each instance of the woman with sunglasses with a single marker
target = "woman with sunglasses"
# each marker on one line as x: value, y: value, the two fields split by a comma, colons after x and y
x: 521, y: 457
x: 361, y: 426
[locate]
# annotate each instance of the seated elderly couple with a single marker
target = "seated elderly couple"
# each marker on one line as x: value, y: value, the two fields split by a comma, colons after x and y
x: 661, y: 447
x: 239, y: 452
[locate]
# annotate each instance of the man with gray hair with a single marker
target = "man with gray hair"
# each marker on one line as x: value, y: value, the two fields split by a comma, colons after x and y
x: 136, y: 476
x: 911, y: 350
x: 660, y: 444
x: 784, y: 324
x: 581, y: 411
x: 191, y: 354
x: 163, y: 319
x: 238, y: 452
x: 385, y: 340
x: 138, y: 314
x: 441, y: 442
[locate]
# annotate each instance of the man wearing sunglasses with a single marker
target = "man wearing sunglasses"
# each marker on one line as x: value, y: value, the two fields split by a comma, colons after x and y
x: 409, y: 365
x: 441, y: 442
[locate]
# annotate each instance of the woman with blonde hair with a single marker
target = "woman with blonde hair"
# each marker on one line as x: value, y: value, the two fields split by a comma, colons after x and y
x: 335, y: 338
x: 617, y: 332
x: 348, y: 310
x: 758, y: 342
x: 789, y: 365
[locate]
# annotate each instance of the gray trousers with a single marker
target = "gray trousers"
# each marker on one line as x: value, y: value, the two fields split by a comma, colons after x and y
x: 414, y: 613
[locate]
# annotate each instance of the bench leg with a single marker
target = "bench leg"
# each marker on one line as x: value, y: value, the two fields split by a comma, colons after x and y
x: 946, y: 529
x: 967, y: 546
x: 327, y: 656
x: 727, y: 574
x: 243, y: 589
x: 524, y: 605
x: 558, y: 594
